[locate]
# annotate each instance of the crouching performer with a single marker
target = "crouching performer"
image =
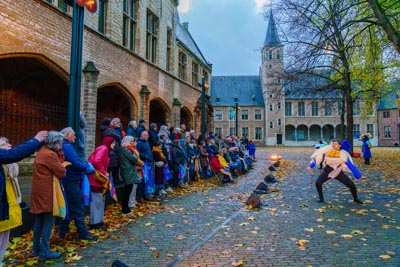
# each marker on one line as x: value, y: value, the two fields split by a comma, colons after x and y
x: 337, y: 161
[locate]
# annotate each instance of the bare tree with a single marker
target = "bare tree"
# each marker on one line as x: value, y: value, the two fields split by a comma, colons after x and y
x: 387, y: 14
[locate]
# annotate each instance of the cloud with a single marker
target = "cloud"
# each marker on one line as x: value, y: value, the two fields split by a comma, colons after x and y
x: 184, y: 6
x: 260, y: 5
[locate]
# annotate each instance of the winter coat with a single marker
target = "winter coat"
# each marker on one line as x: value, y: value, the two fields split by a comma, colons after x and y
x: 203, y: 156
x: 252, y: 148
x: 47, y: 165
x: 127, y: 169
x: 178, y: 158
x: 215, y: 164
x: 100, y: 160
x: 15, y: 219
x: 77, y: 168
x: 159, y: 171
x: 366, y: 149
x: 144, y: 150
x: 153, y: 138
x: 14, y: 154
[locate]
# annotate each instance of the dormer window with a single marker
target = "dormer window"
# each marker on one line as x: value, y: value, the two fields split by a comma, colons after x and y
x: 253, y: 98
x: 218, y: 99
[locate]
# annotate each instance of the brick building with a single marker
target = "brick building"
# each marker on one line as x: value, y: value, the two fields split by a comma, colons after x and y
x: 292, y: 114
x: 139, y: 61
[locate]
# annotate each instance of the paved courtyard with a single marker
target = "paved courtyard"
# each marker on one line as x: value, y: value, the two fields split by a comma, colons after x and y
x: 216, y: 228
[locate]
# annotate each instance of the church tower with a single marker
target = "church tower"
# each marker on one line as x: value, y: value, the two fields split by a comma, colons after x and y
x: 272, y: 85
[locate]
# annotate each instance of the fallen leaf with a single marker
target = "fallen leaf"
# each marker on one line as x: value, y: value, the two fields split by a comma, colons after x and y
x: 152, y: 248
x: 170, y: 225
x: 251, y: 218
x: 156, y: 254
x: 244, y: 224
x: 330, y: 232
x: 237, y: 263
x: 170, y: 255
x: 311, y: 230
x: 238, y: 245
x: 149, y: 224
x: 357, y: 232
x: 347, y: 236
x: 385, y: 257
x: 302, y: 242
x: 180, y: 237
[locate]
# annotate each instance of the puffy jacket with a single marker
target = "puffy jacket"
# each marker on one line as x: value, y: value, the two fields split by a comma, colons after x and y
x: 77, y: 168
x: 100, y: 160
x: 128, y: 166
x: 15, y: 154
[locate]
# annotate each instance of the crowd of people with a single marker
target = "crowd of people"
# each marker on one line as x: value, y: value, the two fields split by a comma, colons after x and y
x: 144, y: 162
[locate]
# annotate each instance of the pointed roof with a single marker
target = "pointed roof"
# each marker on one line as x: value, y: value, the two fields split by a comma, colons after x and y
x: 272, y: 37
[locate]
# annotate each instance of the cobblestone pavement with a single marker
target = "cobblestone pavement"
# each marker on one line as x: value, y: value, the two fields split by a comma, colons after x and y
x: 216, y: 228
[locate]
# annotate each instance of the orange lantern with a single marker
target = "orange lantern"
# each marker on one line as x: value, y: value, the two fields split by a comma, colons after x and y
x: 91, y: 5
x: 81, y: 2
x: 206, y: 86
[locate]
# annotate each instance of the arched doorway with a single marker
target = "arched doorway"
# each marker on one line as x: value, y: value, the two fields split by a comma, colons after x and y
x: 34, y: 96
x: 113, y: 100
x: 315, y: 132
x: 187, y: 118
x: 290, y: 133
x: 159, y: 112
x: 328, y: 132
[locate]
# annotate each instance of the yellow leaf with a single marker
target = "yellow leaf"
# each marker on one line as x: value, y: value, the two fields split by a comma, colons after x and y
x: 244, y: 224
x: 180, y: 237
x: 320, y: 220
x: 156, y: 254
x: 149, y: 224
x: 251, y: 218
x: 237, y: 263
x: 238, y: 245
x: 274, y: 234
x: 107, y: 252
x: 152, y: 248
x: 250, y: 207
x: 122, y: 254
x: 302, y: 242
x: 311, y: 230
x: 330, y: 232
x: 347, y: 236
x: 170, y: 225
x: 321, y: 226
x: 357, y: 232
x: 170, y: 255
x: 385, y: 257
x: 132, y: 238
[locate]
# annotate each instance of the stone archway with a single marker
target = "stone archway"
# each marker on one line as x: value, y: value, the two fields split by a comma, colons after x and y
x: 187, y: 118
x: 159, y: 112
x: 328, y: 132
x: 113, y: 100
x: 290, y: 133
x: 33, y: 96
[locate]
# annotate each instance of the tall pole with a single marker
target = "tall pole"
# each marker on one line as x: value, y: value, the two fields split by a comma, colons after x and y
x: 75, y: 67
x: 203, y: 109
x: 237, y: 119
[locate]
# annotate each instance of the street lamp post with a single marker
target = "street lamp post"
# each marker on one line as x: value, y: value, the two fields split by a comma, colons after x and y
x: 236, y: 118
x: 204, y: 87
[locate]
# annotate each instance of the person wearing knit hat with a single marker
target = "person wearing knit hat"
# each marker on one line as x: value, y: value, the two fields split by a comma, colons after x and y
x: 100, y: 159
x: 141, y: 128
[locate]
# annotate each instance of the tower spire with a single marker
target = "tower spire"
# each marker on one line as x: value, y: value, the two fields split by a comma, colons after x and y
x: 272, y: 37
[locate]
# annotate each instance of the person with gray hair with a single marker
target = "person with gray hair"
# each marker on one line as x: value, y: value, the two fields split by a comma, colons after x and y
x: 130, y: 177
x: 47, y: 165
x: 131, y: 128
x: 72, y: 187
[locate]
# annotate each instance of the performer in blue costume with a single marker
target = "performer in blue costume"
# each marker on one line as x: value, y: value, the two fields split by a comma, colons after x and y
x: 336, y: 162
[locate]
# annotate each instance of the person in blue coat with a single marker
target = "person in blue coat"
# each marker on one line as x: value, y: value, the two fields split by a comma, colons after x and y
x: 71, y: 183
x: 8, y: 155
x: 366, y: 149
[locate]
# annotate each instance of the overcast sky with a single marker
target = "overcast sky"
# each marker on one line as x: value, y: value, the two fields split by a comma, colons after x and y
x: 229, y: 33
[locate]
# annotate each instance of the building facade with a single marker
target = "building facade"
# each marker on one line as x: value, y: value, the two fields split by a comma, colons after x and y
x: 139, y: 61
x: 293, y: 114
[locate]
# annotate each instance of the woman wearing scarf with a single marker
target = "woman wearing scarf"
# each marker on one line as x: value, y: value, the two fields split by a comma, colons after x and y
x: 128, y: 161
x: 337, y: 161
x: 160, y: 160
x: 48, y: 164
x: 100, y: 159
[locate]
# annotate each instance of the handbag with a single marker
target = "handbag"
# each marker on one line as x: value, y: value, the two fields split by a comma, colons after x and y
x: 59, y: 205
x: 167, y: 173
x: 100, y: 177
x: 159, y: 164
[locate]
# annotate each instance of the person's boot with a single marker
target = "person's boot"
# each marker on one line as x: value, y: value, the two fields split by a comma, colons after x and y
x: 357, y: 200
